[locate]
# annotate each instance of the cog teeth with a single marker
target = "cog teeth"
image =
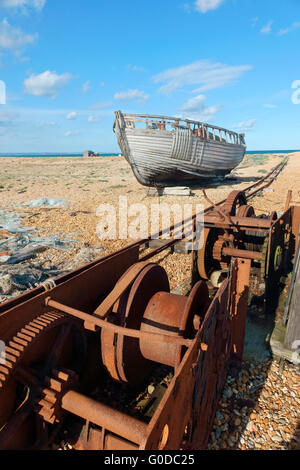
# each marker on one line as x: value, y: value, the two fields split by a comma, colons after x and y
x: 16, y: 346
x: 34, y: 329
x: 70, y: 373
x: 52, y: 315
x: 5, y: 370
x: 45, y: 404
x: 13, y: 351
x: 61, y: 375
x: 50, y: 397
x: 28, y: 332
x: 47, y: 414
x: 10, y: 357
x: 7, y: 363
x: 43, y: 322
x: 24, y: 337
x: 54, y: 384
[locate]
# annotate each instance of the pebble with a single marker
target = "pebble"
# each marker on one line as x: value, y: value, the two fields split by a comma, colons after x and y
x: 276, y: 438
x: 255, y: 410
x: 227, y: 393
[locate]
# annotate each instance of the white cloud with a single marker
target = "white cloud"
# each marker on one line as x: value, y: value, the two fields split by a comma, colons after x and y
x: 7, y: 116
x: 129, y: 95
x: 270, y: 106
x: 47, y: 124
x: 86, y: 86
x: 194, y: 104
x: 14, y: 39
x: 205, y: 5
x: 101, y: 105
x: 46, y: 84
x: 37, y: 4
x: 196, y: 109
x: 71, y: 116
x: 203, y: 72
x: 254, y: 21
x: 93, y: 119
x: 69, y: 133
x: 245, y: 126
x: 267, y: 28
x: 136, y: 68
x: 291, y: 28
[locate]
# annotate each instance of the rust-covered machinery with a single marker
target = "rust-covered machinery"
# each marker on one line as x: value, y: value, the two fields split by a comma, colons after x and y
x: 115, y: 321
x: 234, y: 231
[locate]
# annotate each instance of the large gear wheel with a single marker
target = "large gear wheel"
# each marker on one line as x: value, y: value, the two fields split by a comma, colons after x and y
x: 234, y: 201
x: 218, y: 253
x: 49, y: 342
x: 205, y: 259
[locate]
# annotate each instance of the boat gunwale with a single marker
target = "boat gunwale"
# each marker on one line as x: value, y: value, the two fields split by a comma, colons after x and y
x: 177, y: 119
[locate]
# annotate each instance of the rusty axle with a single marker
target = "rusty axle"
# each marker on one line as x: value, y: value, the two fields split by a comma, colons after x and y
x: 94, y: 321
x: 104, y: 416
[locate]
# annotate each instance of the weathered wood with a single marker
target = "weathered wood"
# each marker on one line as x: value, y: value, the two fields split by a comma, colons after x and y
x: 292, y: 337
x: 288, y: 200
x: 168, y: 151
x: 149, y: 118
x: 277, y: 345
x: 170, y: 191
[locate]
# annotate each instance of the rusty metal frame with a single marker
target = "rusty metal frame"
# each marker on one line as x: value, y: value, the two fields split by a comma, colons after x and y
x: 198, y: 377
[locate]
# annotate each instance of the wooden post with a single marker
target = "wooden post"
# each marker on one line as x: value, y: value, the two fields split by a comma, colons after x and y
x: 292, y: 336
x: 238, y: 303
x: 288, y: 200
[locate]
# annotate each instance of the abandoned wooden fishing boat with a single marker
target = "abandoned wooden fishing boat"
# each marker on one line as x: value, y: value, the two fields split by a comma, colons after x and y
x: 165, y: 151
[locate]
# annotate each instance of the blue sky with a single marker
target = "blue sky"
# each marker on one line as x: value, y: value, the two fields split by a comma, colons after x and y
x: 68, y: 65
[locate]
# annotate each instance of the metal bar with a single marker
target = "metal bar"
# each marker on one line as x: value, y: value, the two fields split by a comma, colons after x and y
x: 104, y: 416
x: 246, y: 254
x: 115, y: 328
x: 248, y: 222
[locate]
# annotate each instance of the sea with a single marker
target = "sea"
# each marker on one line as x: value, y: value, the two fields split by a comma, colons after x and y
x: 61, y: 154
x: 54, y: 155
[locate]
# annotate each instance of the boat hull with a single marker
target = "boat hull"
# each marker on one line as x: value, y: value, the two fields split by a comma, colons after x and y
x: 169, y: 157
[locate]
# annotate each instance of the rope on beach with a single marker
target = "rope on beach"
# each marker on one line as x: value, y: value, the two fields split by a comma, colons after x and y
x: 48, y: 284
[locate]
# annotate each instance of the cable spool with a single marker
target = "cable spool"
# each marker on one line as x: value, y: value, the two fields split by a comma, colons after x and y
x: 148, y: 305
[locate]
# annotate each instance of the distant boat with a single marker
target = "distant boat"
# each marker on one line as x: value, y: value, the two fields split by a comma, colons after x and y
x: 167, y: 151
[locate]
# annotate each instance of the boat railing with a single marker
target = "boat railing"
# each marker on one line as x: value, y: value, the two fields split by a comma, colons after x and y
x: 199, y: 129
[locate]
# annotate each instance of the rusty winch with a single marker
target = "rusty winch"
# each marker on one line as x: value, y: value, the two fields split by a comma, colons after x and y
x: 115, y: 321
